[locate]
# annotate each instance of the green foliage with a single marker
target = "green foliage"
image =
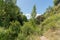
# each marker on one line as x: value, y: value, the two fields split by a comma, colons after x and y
x: 49, y: 12
x: 28, y: 29
x: 56, y: 2
x: 4, y: 34
x: 11, y: 1
x: 51, y: 22
x: 10, y: 13
x: 14, y: 29
x: 11, y: 20
x: 24, y: 18
x: 33, y: 14
x: 52, y: 15
x: 21, y: 36
x: 15, y: 26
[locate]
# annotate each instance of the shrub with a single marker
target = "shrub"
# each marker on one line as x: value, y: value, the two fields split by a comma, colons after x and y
x: 14, y: 29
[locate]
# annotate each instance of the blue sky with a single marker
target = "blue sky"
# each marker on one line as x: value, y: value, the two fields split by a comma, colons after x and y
x: 27, y: 5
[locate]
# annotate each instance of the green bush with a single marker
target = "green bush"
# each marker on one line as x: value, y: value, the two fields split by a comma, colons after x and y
x: 21, y: 36
x: 28, y: 29
x: 4, y: 34
x: 14, y: 29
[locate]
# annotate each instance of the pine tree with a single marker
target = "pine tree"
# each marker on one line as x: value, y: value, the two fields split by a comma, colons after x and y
x: 33, y: 16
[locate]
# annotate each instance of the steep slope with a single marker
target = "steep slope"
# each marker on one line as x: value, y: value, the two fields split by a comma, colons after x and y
x: 51, y: 25
x: 51, y: 22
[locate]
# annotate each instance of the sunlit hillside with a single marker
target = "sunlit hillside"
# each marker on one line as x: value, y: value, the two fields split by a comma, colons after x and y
x: 15, y: 25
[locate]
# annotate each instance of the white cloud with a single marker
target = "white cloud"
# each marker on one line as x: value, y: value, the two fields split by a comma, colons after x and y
x: 29, y: 15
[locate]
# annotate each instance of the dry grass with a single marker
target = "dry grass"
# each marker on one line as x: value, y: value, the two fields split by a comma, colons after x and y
x: 53, y: 35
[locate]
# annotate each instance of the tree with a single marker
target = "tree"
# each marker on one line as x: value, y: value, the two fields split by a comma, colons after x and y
x: 11, y: 1
x: 56, y: 2
x: 24, y: 18
x: 33, y: 15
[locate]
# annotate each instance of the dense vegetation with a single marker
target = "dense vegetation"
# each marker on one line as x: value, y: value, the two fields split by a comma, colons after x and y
x: 15, y: 26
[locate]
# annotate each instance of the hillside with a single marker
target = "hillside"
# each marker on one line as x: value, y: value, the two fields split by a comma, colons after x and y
x: 51, y: 25
x: 14, y: 25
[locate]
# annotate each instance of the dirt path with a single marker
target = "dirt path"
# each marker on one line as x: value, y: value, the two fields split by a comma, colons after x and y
x: 43, y: 38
